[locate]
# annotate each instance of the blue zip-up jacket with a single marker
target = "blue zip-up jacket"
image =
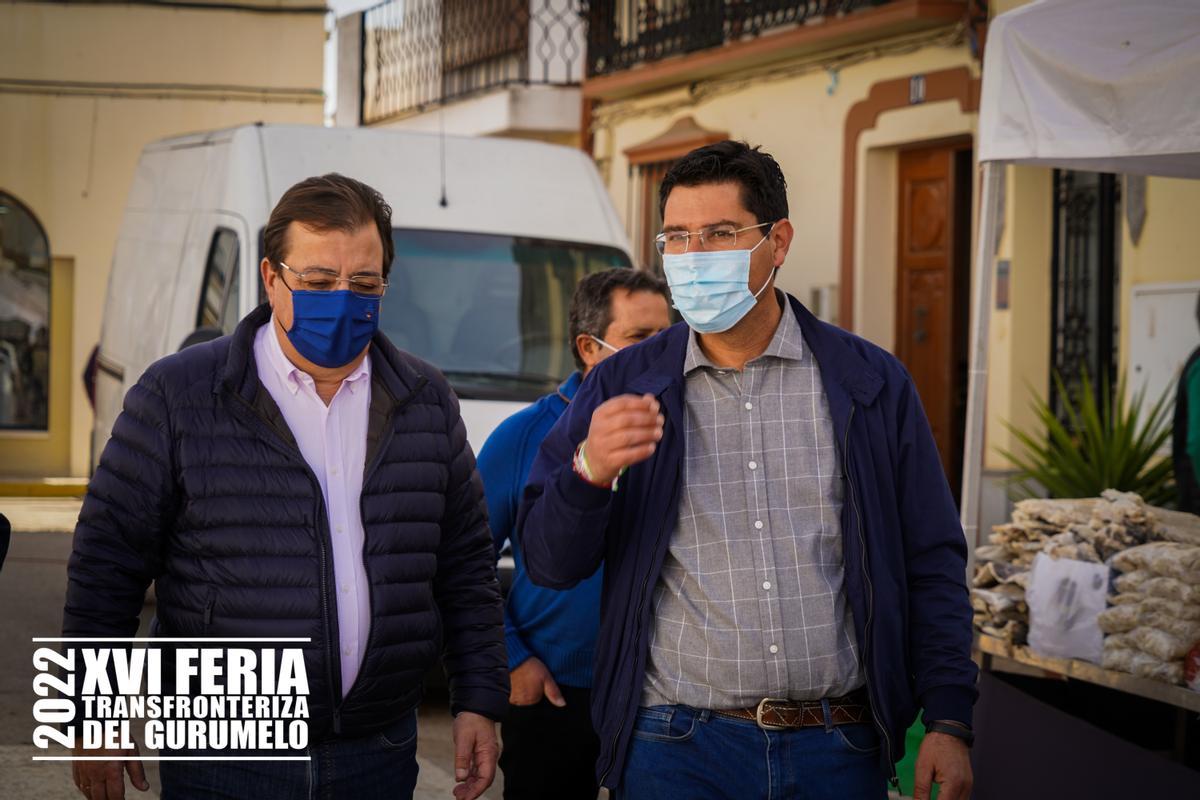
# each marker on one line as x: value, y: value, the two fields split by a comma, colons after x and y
x: 557, y: 627
x: 903, y: 546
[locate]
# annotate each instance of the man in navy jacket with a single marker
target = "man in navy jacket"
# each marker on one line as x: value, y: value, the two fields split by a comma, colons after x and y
x: 304, y: 479
x: 550, y: 748
x: 784, y: 566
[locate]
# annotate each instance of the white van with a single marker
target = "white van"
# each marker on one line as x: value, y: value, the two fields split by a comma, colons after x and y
x: 487, y: 256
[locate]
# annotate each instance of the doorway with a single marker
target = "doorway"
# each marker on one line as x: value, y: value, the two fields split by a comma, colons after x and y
x: 932, y: 283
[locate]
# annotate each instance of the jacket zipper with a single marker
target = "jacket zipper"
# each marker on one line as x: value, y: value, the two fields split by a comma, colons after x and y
x: 862, y: 542
x: 636, y: 638
x: 208, y: 607
x: 335, y: 665
x: 367, y: 473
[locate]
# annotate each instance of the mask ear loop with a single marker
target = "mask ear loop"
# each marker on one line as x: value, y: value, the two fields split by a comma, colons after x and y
x: 770, y: 279
x: 774, y: 270
x: 603, y: 343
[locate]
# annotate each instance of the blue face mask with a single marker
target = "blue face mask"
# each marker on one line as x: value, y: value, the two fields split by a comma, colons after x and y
x: 331, y: 328
x: 711, y: 288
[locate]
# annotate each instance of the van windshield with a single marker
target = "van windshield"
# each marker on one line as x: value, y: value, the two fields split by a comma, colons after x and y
x: 489, y: 311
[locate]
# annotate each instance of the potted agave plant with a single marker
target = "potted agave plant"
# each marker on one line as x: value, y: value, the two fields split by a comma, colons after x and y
x: 1110, y: 444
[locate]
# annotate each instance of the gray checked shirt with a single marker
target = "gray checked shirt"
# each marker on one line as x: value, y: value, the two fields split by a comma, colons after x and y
x: 750, y: 602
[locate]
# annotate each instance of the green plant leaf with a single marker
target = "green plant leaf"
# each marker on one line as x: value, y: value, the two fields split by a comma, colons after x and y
x: 1100, y: 444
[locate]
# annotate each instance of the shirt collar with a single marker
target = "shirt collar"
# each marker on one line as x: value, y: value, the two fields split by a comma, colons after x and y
x: 292, y: 376
x: 787, y: 343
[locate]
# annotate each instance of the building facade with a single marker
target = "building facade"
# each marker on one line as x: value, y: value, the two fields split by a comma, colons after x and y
x: 83, y: 87
x: 871, y: 108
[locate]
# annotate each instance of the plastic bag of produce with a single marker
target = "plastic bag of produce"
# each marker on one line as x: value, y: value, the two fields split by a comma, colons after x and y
x: 1183, y: 628
x: 1171, y: 559
x: 1172, y: 608
x: 1118, y: 641
x: 1131, y: 582
x: 1119, y: 619
x: 1155, y: 670
x: 1172, y: 589
x: 1144, y: 665
x: 1159, y: 644
x: 1065, y: 597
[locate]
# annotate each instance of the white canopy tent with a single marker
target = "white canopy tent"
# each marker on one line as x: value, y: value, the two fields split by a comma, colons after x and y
x: 1100, y: 85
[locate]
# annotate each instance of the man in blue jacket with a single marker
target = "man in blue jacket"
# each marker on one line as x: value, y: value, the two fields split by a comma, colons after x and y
x: 303, y: 478
x: 550, y: 748
x: 784, y: 567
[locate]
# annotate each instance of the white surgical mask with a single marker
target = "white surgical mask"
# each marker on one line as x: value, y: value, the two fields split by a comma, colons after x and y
x: 711, y: 288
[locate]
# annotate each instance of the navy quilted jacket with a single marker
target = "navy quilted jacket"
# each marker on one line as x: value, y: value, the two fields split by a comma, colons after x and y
x: 203, y: 491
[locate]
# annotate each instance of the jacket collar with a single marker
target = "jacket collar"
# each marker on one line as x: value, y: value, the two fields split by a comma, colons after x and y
x: 839, y: 362
x: 567, y: 389
x: 841, y: 365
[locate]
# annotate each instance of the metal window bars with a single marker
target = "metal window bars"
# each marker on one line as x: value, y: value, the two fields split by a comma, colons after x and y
x: 624, y: 33
x: 418, y: 54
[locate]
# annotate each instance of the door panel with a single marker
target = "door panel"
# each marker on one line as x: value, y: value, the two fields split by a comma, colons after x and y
x: 931, y: 283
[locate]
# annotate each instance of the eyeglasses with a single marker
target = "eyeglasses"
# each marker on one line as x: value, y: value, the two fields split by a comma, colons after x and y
x: 319, y: 279
x: 715, y: 237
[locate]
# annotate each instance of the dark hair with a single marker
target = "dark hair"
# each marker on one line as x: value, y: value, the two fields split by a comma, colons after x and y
x: 328, y: 203
x: 764, y: 189
x: 591, y: 306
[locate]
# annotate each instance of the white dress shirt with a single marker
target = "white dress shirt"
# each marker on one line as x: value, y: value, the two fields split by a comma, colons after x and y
x: 333, y: 440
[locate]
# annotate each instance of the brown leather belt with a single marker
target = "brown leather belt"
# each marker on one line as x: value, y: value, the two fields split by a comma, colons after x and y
x: 772, y: 714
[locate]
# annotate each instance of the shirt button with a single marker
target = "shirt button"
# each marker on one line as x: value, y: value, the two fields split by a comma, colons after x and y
x: 767, y: 585
x: 340, y: 529
x: 333, y: 471
x: 346, y: 650
x: 753, y: 465
x: 774, y: 648
x: 758, y: 524
x: 749, y: 406
x: 345, y: 588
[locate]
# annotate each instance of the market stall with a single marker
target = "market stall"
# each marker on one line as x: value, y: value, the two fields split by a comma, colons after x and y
x: 1108, y: 86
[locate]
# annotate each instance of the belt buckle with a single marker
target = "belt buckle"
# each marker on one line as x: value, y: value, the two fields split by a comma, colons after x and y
x: 758, y: 714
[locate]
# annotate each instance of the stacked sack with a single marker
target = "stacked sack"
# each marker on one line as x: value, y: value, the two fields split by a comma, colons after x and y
x: 1154, y: 619
x: 1089, y: 529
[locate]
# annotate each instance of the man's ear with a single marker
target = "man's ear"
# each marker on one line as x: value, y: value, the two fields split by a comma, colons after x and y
x: 782, y: 233
x: 269, y: 276
x: 587, y: 348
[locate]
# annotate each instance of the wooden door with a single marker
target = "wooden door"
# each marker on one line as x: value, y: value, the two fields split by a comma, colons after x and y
x: 932, y: 281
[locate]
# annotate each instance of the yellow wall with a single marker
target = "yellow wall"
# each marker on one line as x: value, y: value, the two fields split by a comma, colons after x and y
x: 1169, y: 248
x: 71, y: 158
x: 1168, y: 252
x: 1019, y: 352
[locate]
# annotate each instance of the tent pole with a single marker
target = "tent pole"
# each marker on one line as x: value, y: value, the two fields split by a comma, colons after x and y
x: 981, y: 314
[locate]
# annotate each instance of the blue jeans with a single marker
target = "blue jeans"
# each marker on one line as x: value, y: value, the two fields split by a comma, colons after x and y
x: 378, y: 767
x: 677, y: 751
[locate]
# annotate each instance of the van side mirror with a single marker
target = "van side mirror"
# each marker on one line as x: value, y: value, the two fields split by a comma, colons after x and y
x: 199, y: 336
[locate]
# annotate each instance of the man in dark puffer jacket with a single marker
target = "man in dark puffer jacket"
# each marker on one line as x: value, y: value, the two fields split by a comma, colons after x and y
x: 304, y: 478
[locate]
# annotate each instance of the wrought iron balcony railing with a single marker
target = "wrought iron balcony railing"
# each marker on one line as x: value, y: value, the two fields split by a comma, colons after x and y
x: 623, y: 33
x: 421, y: 53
